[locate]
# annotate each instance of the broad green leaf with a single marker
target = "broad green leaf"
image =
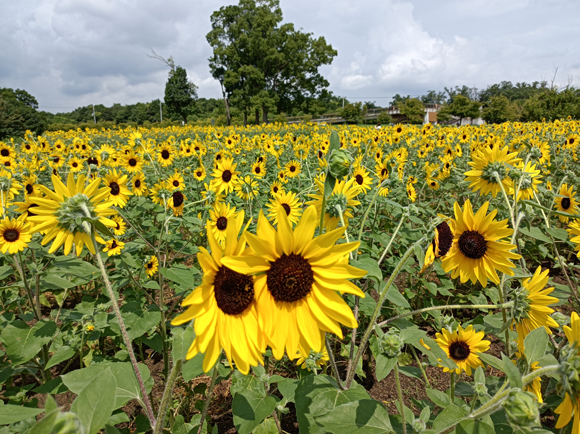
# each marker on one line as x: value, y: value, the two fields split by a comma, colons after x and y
x: 96, y: 401
x: 371, y: 266
x: 450, y: 415
x: 535, y: 233
x: 181, y: 276
x: 436, y: 355
x: 268, y: 426
x: 138, y: 319
x: 62, y: 354
x: 558, y: 233
x: 438, y: 398
x: 394, y: 296
x: 287, y: 388
x: 366, y: 416
x: 46, y: 424
x: 52, y: 282
x: 512, y: 372
x: 182, y: 340
x: 193, y: 368
x: 492, y: 361
x: 15, y: 413
x: 22, y: 342
x: 6, y: 373
x: 475, y: 427
x: 384, y: 365
x: 117, y: 418
x: 535, y: 345
x: 250, y: 408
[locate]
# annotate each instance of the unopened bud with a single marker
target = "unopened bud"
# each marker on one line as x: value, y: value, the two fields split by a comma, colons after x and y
x: 480, y: 389
x: 522, y: 409
x: 419, y: 426
x: 391, y: 343
x: 339, y: 163
x: 560, y: 318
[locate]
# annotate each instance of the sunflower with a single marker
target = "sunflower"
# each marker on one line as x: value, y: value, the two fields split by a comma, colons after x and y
x: 305, y: 358
x: 462, y: 347
x: 199, y: 173
x: 6, y: 151
x: 139, y: 185
x: 297, y: 277
x: 118, y: 191
x: 14, y: 235
x: 343, y: 194
x: 477, y: 249
x: 30, y: 186
x: 289, y: 202
x: 176, y: 202
x: 574, y: 231
x: 220, y: 216
x: 225, y: 176
x: 570, y: 406
x: 132, y: 162
x: 258, y: 169
x: 175, y: 181
x: 567, y: 202
x: 362, y: 179
x: 152, y: 266
x: 224, y: 307
x: 484, y: 164
x: 247, y: 188
x: 60, y: 212
x: 411, y: 192
x: 276, y: 187
x: 166, y: 155
x: 531, y: 308
x: 441, y: 244
x: 529, y: 181
x: 8, y: 187
x: 113, y: 247
x: 382, y: 170
x: 121, y: 226
x: 292, y: 169
x: 160, y: 193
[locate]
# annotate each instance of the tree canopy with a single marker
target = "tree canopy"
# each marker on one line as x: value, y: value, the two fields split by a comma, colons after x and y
x: 180, y: 94
x: 18, y: 113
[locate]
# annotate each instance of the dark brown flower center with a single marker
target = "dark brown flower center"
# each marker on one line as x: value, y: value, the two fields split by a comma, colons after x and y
x: 275, y: 189
x: 150, y: 265
x: 29, y: 188
x: 137, y: 183
x: 222, y: 223
x: 177, y: 199
x: 286, y: 208
x: 113, y: 245
x: 260, y: 159
x: 175, y: 183
x: 290, y: 278
x: 75, y: 164
x: 234, y: 291
x: 292, y: 168
x: 31, y: 214
x: 198, y: 174
x: 93, y: 160
x: 165, y: 154
x: 359, y: 179
x: 459, y: 350
x: 115, y: 189
x: 445, y: 239
x: 11, y: 235
x: 472, y: 244
x: 226, y: 176
x: 566, y: 202
x: 384, y: 172
x: 132, y: 162
x: 5, y: 152
x: 257, y: 170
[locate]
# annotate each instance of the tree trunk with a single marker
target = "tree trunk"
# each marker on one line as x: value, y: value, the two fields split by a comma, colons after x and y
x: 228, y: 114
x: 245, y: 118
x: 257, y: 117
x: 264, y: 114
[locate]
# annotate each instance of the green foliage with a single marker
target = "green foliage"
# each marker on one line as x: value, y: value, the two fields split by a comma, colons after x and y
x: 498, y: 110
x: 353, y: 112
x: 552, y: 104
x: 384, y: 118
x: 461, y: 107
x: 180, y: 94
x: 18, y: 113
x: 413, y: 109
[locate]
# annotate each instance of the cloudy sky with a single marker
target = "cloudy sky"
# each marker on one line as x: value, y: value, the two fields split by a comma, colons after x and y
x: 71, y: 53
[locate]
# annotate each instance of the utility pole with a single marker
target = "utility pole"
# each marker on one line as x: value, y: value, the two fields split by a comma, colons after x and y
x: 160, y: 111
x: 343, y: 103
x: 94, y: 117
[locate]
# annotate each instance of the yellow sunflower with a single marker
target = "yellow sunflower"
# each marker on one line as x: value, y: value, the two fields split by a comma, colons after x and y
x: 411, y: 192
x: 247, y: 188
x: 60, y: 211
x: 567, y: 203
x: 276, y: 187
x: 152, y: 266
x: 296, y: 280
x: 166, y: 155
x: 224, y: 307
x: 259, y: 169
x: 477, y: 249
x: 289, y: 202
x: 9, y: 188
x: 362, y: 179
x: 225, y: 176
x: 574, y: 231
x: 113, y: 247
x: 199, y: 173
x: 441, y: 244
x: 14, y: 235
x: 220, y: 216
x: 133, y: 162
x: 120, y: 227
x: 292, y: 169
x: 462, y: 347
x: 485, y: 163
x: 139, y: 185
x: 532, y: 309
x: 570, y: 406
x: 176, y: 202
x: 175, y: 181
x: 117, y: 184
x: 343, y: 194
x: 530, y: 179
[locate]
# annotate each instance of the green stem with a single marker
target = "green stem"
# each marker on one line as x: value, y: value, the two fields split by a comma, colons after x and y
x: 420, y: 366
x: 400, y: 394
x: 333, y: 363
x: 214, y: 376
x: 452, y: 388
x: 366, y: 214
x: 162, y: 413
x: 392, y: 239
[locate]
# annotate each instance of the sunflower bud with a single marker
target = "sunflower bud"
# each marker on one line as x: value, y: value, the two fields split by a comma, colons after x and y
x: 339, y: 163
x: 522, y: 409
x: 480, y: 389
x: 67, y: 423
x: 515, y: 174
x: 419, y: 426
x: 391, y: 343
x: 535, y: 153
x: 560, y: 318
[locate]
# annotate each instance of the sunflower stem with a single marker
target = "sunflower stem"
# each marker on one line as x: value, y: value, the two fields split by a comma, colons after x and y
x: 420, y: 366
x: 135, y: 229
x: 366, y: 214
x: 214, y: 376
x: 452, y: 388
x: 400, y: 395
x: 162, y: 413
x: 125, y: 335
x: 333, y: 364
x: 392, y: 238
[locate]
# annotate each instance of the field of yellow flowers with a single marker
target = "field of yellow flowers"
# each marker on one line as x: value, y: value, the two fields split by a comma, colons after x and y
x: 296, y: 266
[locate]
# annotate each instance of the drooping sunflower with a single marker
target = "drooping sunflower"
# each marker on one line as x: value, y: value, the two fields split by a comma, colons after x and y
x: 60, y: 211
x: 176, y: 202
x: 362, y: 179
x: 485, y: 163
x: 343, y: 194
x: 567, y: 203
x: 224, y: 307
x: 139, y: 184
x: 299, y: 277
x: 441, y: 244
x: 14, y: 235
x: 113, y: 247
x: 120, y: 227
x: 531, y: 308
x: 462, y: 347
x: 289, y: 202
x: 117, y: 184
x: 152, y: 266
x: 225, y: 176
x: 477, y: 249
x: 220, y: 216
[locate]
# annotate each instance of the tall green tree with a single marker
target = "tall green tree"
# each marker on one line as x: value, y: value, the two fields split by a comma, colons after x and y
x: 461, y: 107
x: 18, y: 113
x: 180, y: 94
x: 498, y: 110
x: 552, y: 104
x: 413, y: 109
x: 264, y: 65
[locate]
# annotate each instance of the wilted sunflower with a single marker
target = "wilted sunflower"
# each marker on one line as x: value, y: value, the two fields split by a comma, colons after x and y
x: 567, y: 203
x: 113, y: 247
x: 14, y: 235
x: 220, y: 216
x: 441, y: 244
x: 485, y: 163
x: 224, y: 307
x: 60, y: 211
x: 297, y: 277
x: 152, y: 266
x: 139, y: 185
x: 117, y: 184
x: 477, y: 250
x: 531, y: 309
x: 289, y: 202
x: 225, y: 176
x: 462, y: 347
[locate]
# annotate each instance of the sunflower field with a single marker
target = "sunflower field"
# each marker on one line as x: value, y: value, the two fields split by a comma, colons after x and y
x: 291, y: 278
